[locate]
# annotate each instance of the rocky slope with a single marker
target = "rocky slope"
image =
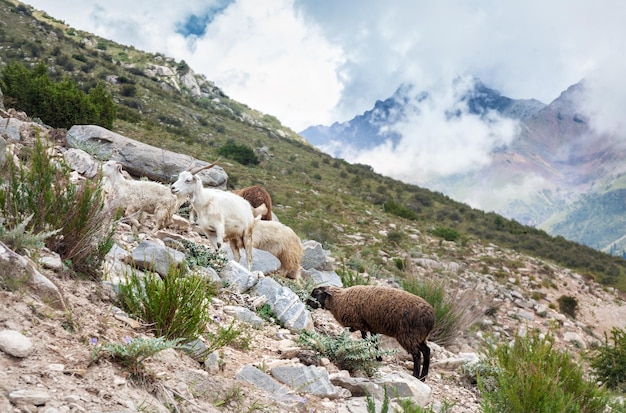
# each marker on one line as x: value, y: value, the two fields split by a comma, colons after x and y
x: 49, y: 368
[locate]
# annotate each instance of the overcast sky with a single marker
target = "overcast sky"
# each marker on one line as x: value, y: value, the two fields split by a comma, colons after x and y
x: 310, y: 62
x: 318, y: 61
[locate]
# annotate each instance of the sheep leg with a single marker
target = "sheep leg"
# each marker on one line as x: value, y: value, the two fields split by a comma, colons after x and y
x: 425, y: 350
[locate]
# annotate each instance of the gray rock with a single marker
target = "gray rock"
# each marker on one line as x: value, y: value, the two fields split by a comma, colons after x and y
x: 403, y: 385
x: 34, y: 397
x: 358, y: 386
x: 24, y: 270
x: 243, y: 314
x: 81, y: 162
x: 256, y: 377
x: 309, y: 379
x: 285, y: 304
x: 152, y: 256
x: 323, y: 278
x: 237, y: 278
x: 315, y: 257
x: 15, y: 343
x: 261, y: 260
x: 140, y: 159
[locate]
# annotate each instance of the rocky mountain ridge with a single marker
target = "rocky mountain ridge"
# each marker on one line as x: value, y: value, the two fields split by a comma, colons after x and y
x: 551, y: 175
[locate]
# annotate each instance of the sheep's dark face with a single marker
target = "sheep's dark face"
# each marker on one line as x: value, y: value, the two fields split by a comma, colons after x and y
x: 318, y: 298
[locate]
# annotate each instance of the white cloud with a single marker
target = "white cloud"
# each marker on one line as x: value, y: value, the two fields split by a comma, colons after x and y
x: 434, y: 144
x: 317, y: 61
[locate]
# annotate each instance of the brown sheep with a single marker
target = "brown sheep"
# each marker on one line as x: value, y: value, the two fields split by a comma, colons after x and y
x: 257, y: 195
x: 282, y: 242
x: 382, y: 310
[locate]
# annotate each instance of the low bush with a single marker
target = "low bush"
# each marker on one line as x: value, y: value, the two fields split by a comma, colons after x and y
x: 345, y: 352
x: 608, y: 361
x: 40, y: 203
x: 175, y: 306
x: 531, y: 375
x: 239, y: 153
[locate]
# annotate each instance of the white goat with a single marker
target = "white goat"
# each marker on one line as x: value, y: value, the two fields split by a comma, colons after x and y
x: 138, y: 196
x: 222, y: 215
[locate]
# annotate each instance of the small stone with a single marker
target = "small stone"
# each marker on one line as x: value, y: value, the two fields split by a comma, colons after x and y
x: 34, y: 397
x: 15, y: 343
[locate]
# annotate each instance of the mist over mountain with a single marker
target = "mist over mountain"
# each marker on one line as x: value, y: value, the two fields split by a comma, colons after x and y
x: 545, y: 165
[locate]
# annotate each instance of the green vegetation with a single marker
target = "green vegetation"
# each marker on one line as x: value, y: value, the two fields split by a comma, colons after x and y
x: 454, y: 312
x: 41, y: 205
x: 608, y: 361
x: 175, y: 306
x: 533, y: 376
x: 241, y: 153
x: 132, y: 352
x: 59, y: 104
x: 345, y: 352
x: 568, y: 305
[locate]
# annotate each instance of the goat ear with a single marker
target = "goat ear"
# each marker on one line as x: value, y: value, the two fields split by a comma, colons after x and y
x: 118, y: 166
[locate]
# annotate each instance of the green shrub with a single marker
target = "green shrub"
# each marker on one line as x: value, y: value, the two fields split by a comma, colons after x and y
x: 608, y: 361
x: 454, y: 311
x: 200, y: 255
x: 346, y: 353
x: 132, y: 352
x: 568, y: 305
x: 349, y: 277
x: 531, y: 375
x: 71, y: 216
x: 59, y: 104
x: 239, y: 153
x: 175, y: 306
x: 448, y: 234
x: 400, y: 210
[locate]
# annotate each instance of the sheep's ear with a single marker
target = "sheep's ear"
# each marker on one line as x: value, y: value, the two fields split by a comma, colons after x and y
x: 118, y: 166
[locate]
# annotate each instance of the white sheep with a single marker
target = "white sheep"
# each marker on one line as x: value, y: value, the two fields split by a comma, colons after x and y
x: 137, y: 197
x: 282, y: 242
x: 221, y: 215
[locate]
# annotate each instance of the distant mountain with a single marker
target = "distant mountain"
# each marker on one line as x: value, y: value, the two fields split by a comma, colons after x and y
x: 557, y: 174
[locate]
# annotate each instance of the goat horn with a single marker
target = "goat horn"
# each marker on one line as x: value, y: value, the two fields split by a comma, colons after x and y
x: 197, y: 169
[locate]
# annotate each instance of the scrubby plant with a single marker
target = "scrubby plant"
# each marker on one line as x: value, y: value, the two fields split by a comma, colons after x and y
x: 345, y: 352
x: 20, y: 239
x: 532, y: 375
x: 455, y: 311
x: 239, y: 153
x: 400, y: 210
x: 608, y: 361
x: 200, y: 256
x: 232, y: 334
x: 70, y: 217
x: 350, y: 278
x: 132, y: 352
x: 175, y: 306
x: 447, y: 234
x: 568, y: 305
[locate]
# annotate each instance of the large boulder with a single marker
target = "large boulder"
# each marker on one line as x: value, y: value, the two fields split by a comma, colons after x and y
x: 140, y: 159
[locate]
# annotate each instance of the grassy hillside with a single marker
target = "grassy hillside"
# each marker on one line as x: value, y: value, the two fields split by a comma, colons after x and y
x: 372, y: 221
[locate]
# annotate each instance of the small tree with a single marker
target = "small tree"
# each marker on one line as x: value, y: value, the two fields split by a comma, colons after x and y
x: 608, y: 362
